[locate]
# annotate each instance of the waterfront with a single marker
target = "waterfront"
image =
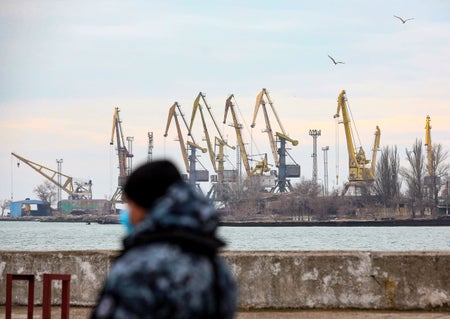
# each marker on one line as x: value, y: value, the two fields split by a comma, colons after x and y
x: 35, y: 236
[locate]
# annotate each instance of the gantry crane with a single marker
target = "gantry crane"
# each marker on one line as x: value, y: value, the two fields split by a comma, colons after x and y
x: 123, y: 155
x: 279, y: 154
x: 360, y: 175
x: 217, y: 159
x: 189, y: 161
x: 75, y: 189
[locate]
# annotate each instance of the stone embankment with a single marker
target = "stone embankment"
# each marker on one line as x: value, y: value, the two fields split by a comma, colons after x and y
x: 269, y: 280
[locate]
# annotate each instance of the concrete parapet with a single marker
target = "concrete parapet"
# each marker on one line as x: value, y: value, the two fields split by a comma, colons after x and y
x: 268, y: 279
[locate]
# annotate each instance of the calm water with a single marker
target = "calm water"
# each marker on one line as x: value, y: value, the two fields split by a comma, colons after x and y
x: 21, y: 235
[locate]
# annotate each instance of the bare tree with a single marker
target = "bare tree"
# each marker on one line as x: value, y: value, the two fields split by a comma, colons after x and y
x: 46, y: 192
x: 414, y: 176
x: 307, y: 188
x: 387, y: 183
x: 440, y: 169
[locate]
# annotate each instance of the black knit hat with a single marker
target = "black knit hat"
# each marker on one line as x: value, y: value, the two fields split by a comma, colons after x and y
x: 151, y: 181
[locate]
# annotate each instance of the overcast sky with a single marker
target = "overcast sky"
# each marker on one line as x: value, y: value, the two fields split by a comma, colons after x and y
x: 65, y: 66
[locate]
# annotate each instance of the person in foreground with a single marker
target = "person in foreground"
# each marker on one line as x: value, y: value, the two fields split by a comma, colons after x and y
x: 169, y: 266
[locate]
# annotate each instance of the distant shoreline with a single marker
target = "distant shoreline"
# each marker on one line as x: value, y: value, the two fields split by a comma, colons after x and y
x: 343, y: 223
x: 112, y: 219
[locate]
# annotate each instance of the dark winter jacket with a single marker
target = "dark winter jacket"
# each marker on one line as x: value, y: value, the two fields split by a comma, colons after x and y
x: 169, y: 267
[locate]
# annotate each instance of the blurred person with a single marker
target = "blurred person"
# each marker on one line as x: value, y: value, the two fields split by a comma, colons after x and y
x: 169, y: 266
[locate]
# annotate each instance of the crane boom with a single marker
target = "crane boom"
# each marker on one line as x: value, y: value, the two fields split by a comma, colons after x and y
x: 173, y: 114
x: 76, y: 190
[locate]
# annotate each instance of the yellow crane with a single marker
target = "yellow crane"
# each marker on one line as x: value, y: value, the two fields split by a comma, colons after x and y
x: 189, y: 161
x: 218, y: 141
x: 219, y: 188
x: 279, y: 155
x: 261, y: 166
x: 75, y: 189
x: 359, y: 174
x: 123, y: 155
x: 429, y: 146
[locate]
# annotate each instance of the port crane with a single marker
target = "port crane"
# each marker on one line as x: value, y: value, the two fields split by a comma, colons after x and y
x: 262, y: 166
x: 123, y: 155
x: 360, y: 176
x: 76, y: 190
x: 218, y: 188
x: 189, y: 161
x: 279, y: 154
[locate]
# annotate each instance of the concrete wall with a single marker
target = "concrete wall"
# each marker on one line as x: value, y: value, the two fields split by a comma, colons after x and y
x: 270, y: 280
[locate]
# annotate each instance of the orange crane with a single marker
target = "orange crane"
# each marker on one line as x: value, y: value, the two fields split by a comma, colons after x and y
x: 360, y: 175
x: 75, y: 189
x: 123, y: 155
x: 189, y: 161
x: 279, y: 155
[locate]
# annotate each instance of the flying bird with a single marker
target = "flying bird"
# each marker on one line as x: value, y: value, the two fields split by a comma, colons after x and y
x: 403, y: 20
x: 334, y: 61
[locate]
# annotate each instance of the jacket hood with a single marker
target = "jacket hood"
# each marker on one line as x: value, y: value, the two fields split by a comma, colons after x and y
x: 181, y: 210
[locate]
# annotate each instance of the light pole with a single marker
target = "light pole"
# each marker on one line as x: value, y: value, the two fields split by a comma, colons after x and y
x: 325, y: 168
x: 59, y: 162
x: 314, y: 134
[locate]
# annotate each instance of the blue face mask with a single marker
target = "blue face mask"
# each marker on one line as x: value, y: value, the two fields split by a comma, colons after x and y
x: 124, y: 219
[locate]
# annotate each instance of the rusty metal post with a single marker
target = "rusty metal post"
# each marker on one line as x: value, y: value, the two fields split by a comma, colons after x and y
x: 30, y: 304
x: 47, y: 295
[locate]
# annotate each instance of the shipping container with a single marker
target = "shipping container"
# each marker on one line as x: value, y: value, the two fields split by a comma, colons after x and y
x: 86, y: 206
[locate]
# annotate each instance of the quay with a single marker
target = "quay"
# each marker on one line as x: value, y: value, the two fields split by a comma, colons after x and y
x: 272, y: 284
x: 20, y: 312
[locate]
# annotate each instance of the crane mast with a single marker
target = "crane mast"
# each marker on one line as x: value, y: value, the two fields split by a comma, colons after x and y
x: 123, y: 155
x: 359, y: 174
x: 75, y: 190
x: 376, y: 147
x: 429, y: 146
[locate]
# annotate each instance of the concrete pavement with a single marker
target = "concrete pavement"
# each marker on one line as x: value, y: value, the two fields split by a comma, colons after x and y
x: 20, y: 312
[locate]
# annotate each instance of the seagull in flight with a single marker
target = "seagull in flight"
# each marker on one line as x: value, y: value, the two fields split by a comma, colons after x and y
x: 403, y: 20
x: 334, y: 61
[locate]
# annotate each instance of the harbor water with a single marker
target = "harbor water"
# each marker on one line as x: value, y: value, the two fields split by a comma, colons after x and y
x: 58, y: 236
